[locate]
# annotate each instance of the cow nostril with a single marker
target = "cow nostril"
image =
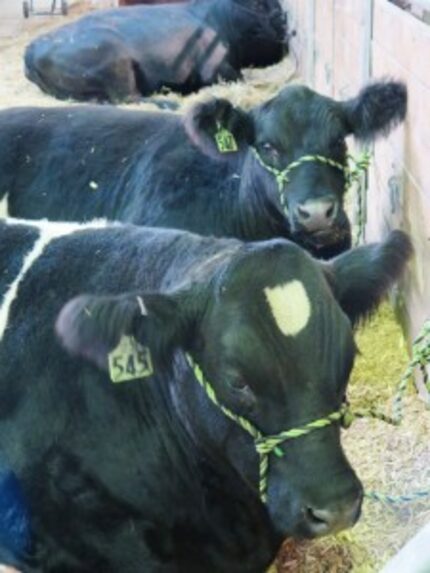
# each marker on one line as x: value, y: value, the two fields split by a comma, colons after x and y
x: 319, y: 518
x: 321, y: 521
x: 330, y: 212
x: 303, y: 214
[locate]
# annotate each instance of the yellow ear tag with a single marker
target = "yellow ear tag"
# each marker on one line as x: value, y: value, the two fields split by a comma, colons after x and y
x: 129, y: 361
x: 225, y: 141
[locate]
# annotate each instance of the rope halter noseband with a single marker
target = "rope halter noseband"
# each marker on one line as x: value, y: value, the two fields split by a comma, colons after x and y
x: 265, y: 445
x: 352, y: 172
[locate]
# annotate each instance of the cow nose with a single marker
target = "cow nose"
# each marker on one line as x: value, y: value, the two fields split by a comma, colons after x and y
x: 323, y: 521
x: 317, y: 214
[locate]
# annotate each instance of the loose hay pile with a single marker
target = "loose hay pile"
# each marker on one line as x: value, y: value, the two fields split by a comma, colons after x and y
x: 389, y: 460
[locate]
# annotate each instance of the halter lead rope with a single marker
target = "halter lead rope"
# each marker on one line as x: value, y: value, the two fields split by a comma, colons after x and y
x: 268, y: 444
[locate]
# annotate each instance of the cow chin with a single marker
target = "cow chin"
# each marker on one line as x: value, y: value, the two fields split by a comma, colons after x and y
x: 327, y: 243
x: 298, y: 525
x: 310, y: 509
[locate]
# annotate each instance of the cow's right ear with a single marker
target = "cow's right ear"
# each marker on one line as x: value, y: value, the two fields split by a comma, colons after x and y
x: 362, y: 277
x: 92, y: 326
x: 218, y: 129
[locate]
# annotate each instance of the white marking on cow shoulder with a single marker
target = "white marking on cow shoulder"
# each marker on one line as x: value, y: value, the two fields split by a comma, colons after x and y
x: 59, y: 228
x: 4, y: 206
x: 48, y: 232
x: 290, y: 306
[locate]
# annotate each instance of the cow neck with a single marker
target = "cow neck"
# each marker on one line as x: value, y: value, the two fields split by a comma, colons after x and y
x: 260, y: 217
x: 224, y: 211
x: 215, y: 477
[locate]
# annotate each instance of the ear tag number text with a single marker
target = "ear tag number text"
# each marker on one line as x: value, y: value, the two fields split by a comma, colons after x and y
x: 225, y: 141
x: 129, y: 361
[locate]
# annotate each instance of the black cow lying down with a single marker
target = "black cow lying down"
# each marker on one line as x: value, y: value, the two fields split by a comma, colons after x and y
x: 147, y: 474
x: 163, y: 170
x: 122, y: 54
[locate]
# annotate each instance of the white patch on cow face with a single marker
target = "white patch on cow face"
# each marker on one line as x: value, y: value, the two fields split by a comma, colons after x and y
x: 4, y: 207
x: 47, y: 232
x: 290, y: 306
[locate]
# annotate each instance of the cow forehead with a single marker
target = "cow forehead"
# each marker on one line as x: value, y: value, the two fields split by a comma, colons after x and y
x: 290, y: 306
x: 300, y: 106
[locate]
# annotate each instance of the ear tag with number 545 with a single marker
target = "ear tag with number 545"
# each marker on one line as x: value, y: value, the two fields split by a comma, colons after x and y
x: 129, y: 361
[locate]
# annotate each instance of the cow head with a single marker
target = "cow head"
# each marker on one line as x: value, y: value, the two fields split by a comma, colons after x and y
x: 272, y: 331
x: 255, y: 30
x: 297, y: 123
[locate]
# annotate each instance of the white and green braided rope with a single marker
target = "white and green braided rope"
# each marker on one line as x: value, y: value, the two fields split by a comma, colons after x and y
x: 352, y: 173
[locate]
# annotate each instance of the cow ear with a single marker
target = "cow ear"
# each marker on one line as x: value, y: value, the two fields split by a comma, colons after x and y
x: 377, y: 109
x: 362, y: 277
x: 92, y: 326
x: 218, y: 129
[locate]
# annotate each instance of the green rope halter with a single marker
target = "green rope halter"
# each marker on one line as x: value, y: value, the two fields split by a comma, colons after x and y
x: 265, y: 445
x: 352, y: 172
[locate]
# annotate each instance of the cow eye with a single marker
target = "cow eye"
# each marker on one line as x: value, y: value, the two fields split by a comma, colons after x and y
x: 269, y: 149
x: 238, y: 384
x: 242, y: 393
x: 339, y: 143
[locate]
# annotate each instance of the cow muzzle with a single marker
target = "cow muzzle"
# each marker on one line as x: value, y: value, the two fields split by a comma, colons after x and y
x: 330, y: 519
x: 317, y: 215
x: 312, y: 514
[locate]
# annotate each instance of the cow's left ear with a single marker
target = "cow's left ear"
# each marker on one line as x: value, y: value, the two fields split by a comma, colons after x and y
x: 218, y: 129
x: 362, y: 277
x: 377, y: 109
x: 92, y: 326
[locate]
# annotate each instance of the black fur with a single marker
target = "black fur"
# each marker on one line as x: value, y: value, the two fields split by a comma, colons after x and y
x: 92, y: 326
x: 377, y: 109
x: 204, y: 119
x: 363, y: 276
x: 148, y: 475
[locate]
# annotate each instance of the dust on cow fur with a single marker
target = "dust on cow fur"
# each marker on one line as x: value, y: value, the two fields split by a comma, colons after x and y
x: 389, y: 460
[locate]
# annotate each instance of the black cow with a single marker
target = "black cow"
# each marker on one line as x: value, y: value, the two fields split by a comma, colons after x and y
x: 148, y: 474
x: 157, y: 169
x: 122, y: 54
